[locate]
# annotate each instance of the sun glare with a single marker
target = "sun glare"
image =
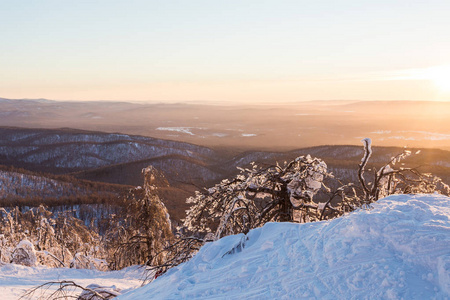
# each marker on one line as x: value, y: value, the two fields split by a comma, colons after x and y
x: 440, y: 76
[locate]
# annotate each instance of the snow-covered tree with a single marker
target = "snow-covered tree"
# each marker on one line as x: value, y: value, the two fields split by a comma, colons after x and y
x: 395, y: 177
x: 259, y: 195
x: 286, y: 193
x: 54, y: 240
x: 142, y: 232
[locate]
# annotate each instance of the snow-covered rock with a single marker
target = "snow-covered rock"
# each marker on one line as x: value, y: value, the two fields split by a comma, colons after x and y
x: 107, y: 292
x: 24, y: 254
x: 398, y: 250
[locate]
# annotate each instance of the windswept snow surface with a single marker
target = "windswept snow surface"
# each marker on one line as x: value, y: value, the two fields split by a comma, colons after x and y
x: 16, y: 279
x: 398, y: 250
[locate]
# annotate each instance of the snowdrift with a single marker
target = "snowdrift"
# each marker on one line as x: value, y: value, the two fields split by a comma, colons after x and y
x: 399, y: 249
x: 15, y: 280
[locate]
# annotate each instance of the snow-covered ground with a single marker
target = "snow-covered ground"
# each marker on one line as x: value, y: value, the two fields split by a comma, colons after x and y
x: 400, y: 249
x: 16, y: 279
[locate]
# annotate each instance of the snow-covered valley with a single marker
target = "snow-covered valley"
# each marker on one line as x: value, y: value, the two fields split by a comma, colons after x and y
x: 399, y: 249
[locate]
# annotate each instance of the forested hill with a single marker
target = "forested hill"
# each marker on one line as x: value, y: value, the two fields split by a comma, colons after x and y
x: 119, y: 159
x: 26, y: 188
x: 111, y: 155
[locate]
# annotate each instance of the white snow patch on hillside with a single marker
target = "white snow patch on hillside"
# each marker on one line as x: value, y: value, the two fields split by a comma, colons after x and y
x: 382, y: 132
x: 398, y: 250
x: 248, y: 134
x: 221, y: 135
x: 186, y: 130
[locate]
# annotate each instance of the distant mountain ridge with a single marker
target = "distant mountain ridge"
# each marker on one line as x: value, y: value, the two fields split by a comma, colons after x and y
x: 268, y: 127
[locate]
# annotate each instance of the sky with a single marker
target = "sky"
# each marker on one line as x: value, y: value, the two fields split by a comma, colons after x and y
x: 229, y: 51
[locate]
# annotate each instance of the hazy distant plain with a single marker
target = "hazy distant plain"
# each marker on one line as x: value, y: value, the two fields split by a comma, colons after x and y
x: 267, y: 127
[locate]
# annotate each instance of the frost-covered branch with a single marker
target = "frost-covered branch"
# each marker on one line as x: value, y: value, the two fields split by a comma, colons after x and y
x: 257, y: 196
x: 367, y: 153
x: 67, y: 289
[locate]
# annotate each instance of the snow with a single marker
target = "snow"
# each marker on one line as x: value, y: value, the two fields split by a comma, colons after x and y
x: 248, y: 134
x: 186, y: 130
x: 220, y: 135
x: 16, y: 279
x: 367, y: 149
x: 400, y: 249
x: 382, y: 132
x: 25, y: 254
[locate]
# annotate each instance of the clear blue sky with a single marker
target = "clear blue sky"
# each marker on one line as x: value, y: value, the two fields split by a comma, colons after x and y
x: 225, y: 50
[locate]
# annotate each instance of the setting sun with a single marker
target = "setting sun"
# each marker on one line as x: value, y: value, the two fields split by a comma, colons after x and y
x: 440, y: 76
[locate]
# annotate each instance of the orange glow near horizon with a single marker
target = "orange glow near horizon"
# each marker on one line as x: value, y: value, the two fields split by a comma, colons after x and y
x: 226, y: 51
x: 247, y: 91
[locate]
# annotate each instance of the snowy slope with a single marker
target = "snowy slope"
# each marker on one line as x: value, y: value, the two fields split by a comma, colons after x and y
x: 398, y: 250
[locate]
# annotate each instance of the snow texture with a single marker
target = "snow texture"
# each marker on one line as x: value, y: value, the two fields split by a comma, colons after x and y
x: 16, y: 279
x: 400, y: 249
